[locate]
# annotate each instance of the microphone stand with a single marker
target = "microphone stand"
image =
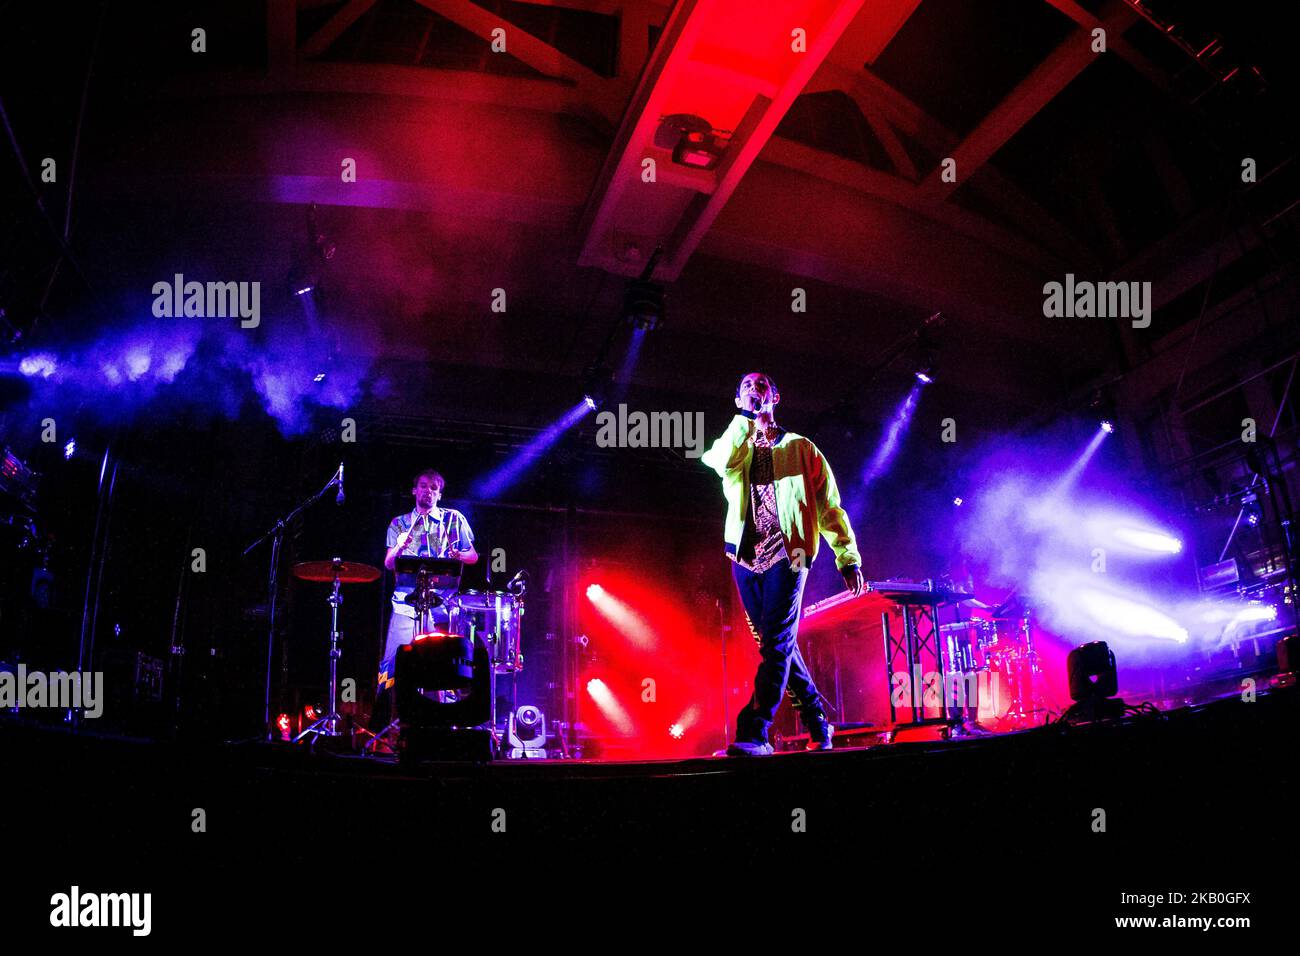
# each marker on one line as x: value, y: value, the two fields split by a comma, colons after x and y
x: 276, y: 535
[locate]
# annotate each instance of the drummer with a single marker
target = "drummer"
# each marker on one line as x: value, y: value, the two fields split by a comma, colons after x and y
x: 425, y: 531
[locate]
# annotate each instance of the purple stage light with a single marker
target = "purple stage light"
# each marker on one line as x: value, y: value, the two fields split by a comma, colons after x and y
x: 1144, y: 539
x: 628, y: 365
x: 1220, y: 621
x: 173, y: 363
x: 1254, y: 613
x: 1076, y: 469
x: 70, y: 449
x: 1124, y: 615
x: 42, y: 364
x: 888, y: 447
x: 1107, y: 427
x: 137, y: 362
x: 512, y: 470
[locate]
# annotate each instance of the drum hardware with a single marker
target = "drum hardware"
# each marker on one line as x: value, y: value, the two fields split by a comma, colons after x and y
x: 338, y: 572
x: 432, y: 576
x: 275, y: 534
x: 498, y: 617
x: 1005, y: 648
x: 495, y: 617
x: 998, y: 654
x: 962, y: 641
x: 1016, y: 656
x: 919, y: 605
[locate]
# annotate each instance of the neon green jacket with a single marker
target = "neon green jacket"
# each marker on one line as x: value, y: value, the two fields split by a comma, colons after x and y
x: 807, y: 499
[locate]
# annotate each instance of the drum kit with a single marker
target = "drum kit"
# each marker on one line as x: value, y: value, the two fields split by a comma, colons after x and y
x: 492, y: 618
x: 1001, y: 650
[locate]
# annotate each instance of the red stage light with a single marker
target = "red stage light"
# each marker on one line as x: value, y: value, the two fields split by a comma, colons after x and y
x: 630, y: 623
x: 610, y: 707
x: 640, y: 628
x: 436, y: 635
x: 284, y: 723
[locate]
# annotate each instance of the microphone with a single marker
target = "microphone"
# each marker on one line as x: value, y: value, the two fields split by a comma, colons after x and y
x: 517, y: 581
x: 338, y: 499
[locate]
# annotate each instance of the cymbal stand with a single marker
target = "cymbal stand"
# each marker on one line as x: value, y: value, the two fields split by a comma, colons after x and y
x: 276, y: 536
x: 1028, y: 683
x: 328, y: 725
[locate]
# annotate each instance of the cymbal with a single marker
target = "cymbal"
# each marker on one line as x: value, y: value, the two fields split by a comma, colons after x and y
x: 349, y: 572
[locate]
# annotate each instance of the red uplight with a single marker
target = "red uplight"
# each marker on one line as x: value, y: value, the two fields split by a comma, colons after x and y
x: 434, y: 635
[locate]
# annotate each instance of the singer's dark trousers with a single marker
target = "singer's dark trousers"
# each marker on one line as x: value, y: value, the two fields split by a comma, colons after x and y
x: 772, y: 602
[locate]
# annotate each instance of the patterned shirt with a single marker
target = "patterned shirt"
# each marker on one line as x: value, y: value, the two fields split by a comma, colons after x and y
x: 763, y: 522
x: 446, y: 530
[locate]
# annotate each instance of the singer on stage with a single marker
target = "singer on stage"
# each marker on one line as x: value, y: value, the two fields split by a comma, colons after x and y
x: 426, y: 531
x: 780, y: 496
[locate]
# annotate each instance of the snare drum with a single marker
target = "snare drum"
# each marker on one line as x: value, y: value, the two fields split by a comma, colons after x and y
x: 493, y: 617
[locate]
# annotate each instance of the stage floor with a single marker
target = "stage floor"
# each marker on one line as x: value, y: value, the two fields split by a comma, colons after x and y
x: 1196, y: 799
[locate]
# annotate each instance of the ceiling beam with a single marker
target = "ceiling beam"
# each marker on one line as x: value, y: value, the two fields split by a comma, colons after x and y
x: 281, y: 35
x: 884, y: 106
x: 871, y: 31
x: 1115, y: 41
x: 334, y: 27
x: 831, y: 76
x: 894, y: 189
x: 898, y: 154
x: 600, y: 93
x: 607, y: 7
x: 381, y: 79
x: 819, y: 47
x: 861, y: 242
x: 705, y: 65
x: 633, y: 39
x: 1070, y: 58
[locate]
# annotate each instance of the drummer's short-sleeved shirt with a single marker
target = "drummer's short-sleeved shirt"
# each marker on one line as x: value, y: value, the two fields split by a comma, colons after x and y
x: 446, y: 530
